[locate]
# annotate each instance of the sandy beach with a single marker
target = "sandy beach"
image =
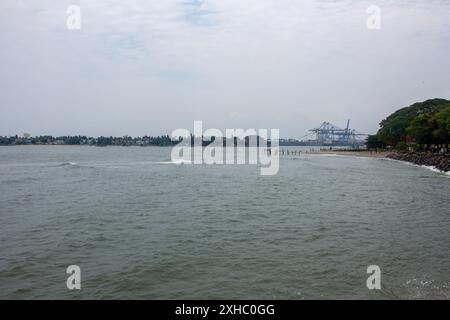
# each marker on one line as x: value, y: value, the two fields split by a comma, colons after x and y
x: 357, y: 153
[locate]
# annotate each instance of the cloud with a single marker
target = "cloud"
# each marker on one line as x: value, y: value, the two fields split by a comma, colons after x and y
x: 141, y: 67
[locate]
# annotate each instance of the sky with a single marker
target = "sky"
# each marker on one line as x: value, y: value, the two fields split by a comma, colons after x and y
x: 140, y: 67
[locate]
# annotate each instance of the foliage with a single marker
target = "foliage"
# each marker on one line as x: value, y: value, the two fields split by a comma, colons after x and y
x: 374, y: 142
x: 83, y: 140
x: 425, y: 123
x: 401, y: 146
x: 442, y: 122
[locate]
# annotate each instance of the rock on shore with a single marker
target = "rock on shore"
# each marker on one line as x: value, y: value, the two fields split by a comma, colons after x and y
x: 439, y: 161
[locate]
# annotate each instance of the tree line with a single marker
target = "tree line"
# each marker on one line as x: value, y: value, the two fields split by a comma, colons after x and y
x: 164, y: 140
x: 423, y: 125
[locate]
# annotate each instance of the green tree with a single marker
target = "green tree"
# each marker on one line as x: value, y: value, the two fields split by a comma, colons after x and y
x: 441, y: 133
x: 421, y: 129
x: 416, y: 121
x: 374, y: 142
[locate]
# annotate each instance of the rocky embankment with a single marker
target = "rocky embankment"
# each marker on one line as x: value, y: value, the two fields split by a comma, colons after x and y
x: 439, y: 161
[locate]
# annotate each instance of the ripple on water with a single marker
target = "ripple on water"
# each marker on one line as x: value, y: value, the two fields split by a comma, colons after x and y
x: 143, y: 228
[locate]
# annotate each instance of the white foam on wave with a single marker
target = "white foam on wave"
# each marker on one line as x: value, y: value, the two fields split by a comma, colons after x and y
x: 434, y: 169
x: 68, y: 164
x: 321, y: 154
x: 177, y: 162
x: 426, y: 287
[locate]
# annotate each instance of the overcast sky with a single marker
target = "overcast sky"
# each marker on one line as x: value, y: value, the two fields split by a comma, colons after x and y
x: 149, y: 67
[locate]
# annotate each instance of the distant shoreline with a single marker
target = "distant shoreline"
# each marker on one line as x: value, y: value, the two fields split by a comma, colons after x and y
x: 77, y: 145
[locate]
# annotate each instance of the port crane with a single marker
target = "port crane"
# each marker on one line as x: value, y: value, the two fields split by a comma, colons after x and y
x: 330, y: 134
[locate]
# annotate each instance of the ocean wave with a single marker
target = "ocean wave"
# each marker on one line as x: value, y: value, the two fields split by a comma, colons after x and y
x: 321, y: 154
x: 68, y: 164
x: 431, y: 168
x: 434, y: 169
x: 425, y: 287
x: 73, y: 165
x: 177, y: 162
